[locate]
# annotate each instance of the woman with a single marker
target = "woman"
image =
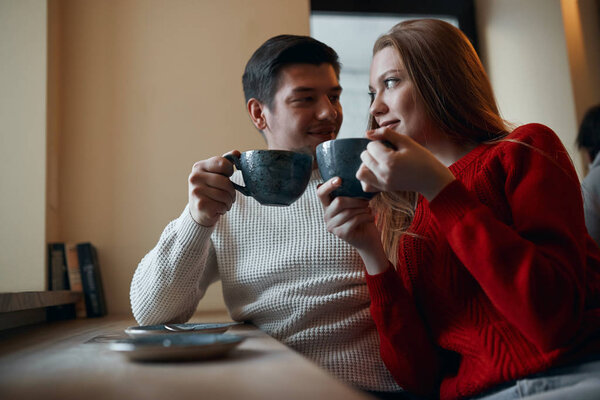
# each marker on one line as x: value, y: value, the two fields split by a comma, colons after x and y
x: 495, y: 277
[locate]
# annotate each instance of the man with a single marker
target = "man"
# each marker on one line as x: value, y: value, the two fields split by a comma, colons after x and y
x: 280, y: 269
x: 588, y: 139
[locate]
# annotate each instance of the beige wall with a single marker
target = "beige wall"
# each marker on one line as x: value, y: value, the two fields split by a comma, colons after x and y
x: 148, y: 88
x: 524, y: 49
x: 582, y: 29
x: 22, y: 144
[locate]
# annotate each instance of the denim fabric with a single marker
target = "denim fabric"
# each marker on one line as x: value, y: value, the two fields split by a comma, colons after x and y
x: 581, y: 381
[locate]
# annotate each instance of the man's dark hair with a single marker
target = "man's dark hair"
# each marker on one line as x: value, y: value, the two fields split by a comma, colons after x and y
x: 589, y: 132
x: 261, y: 76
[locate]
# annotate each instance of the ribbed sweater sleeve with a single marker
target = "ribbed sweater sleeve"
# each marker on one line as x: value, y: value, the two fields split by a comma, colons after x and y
x: 405, y: 344
x: 172, y: 278
x: 532, y: 270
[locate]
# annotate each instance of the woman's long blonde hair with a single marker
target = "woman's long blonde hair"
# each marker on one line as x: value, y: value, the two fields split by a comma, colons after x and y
x: 450, y: 82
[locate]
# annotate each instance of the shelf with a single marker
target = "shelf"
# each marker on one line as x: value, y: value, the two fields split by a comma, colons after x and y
x: 20, y: 301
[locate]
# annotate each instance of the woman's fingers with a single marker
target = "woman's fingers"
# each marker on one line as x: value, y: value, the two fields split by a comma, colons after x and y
x: 368, y: 180
x: 344, y: 204
x: 324, y: 190
x: 353, y: 224
x: 347, y: 216
x: 344, y: 217
x: 368, y: 160
x: 386, y: 134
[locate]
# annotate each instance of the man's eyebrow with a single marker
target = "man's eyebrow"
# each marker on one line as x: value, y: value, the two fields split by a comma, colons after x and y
x: 311, y: 89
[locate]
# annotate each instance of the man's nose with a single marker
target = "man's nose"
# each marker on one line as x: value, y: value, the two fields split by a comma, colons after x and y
x: 327, y: 110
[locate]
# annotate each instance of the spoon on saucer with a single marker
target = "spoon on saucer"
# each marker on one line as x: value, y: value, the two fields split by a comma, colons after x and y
x: 175, y: 328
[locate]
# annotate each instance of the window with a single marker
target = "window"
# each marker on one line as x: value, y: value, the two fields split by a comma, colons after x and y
x: 351, y: 28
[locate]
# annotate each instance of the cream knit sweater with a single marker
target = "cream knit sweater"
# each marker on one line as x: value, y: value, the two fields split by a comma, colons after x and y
x: 280, y: 270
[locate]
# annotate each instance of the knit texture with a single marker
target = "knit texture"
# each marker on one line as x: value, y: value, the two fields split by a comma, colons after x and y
x: 500, y: 280
x: 280, y: 270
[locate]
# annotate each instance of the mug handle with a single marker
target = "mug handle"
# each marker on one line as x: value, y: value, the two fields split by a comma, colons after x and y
x: 389, y: 144
x: 236, y: 162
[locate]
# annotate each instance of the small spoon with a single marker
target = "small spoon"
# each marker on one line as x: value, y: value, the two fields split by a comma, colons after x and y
x: 176, y: 328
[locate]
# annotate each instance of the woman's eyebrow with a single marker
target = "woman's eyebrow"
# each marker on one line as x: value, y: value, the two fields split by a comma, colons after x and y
x: 391, y: 71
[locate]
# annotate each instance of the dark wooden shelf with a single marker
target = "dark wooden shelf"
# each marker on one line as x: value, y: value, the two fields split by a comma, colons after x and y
x: 20, y: 301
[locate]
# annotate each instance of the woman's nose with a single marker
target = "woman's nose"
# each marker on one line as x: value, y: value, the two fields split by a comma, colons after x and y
x: 378, y: 106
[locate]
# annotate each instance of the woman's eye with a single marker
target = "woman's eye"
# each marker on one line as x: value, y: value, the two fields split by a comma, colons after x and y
x: 372, y: 96
x: 391, y: 82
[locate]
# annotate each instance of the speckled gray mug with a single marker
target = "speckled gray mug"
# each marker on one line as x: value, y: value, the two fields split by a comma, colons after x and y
x: 273, y: 177
x: 341, y: 157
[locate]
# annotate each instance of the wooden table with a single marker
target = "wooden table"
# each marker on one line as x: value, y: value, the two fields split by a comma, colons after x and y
x: 57, y: 361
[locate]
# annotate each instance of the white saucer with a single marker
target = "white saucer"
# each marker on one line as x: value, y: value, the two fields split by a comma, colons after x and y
x: 180, y: 347
x: 147, y: 330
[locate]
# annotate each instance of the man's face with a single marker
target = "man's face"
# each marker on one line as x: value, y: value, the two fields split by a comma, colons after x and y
x: 306, y: 108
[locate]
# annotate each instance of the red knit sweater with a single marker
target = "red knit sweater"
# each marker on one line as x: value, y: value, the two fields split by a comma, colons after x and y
x: 500, y: 279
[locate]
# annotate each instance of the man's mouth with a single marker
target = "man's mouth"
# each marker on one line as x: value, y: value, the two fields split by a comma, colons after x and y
x: 327, y: 130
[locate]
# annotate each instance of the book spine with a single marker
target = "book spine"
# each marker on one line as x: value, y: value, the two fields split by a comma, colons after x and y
x: 58, y: 278
x: 75, y: 277
x: 98, y: 278
x: 73, y: 267
x: 91, y: 280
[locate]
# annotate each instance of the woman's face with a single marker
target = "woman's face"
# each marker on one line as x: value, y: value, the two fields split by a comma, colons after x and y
x: 394, y: 101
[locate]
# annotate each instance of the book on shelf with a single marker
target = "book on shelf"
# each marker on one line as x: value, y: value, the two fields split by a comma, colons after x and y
x: 58, y: 279
x: 75, y: 267
x: 75, y: 277
x: 91, y: 280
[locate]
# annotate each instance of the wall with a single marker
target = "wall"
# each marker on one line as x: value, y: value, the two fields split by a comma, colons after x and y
x: 148, y: 87
x: 582, y: 29
x: 53, y: 126
x: 22, y: 144
x: 524, y: 49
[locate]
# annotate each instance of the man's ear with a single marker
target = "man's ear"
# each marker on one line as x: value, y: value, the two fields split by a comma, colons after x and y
x: 257, y: 113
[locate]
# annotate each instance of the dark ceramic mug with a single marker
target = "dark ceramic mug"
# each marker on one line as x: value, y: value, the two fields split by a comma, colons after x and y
x: 341, y: 157
x: 273, y: 177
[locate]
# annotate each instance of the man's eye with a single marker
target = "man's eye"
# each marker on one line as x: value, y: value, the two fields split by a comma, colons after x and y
x: 304, y: 99
x: 391, y: 82
x: 334, y: 99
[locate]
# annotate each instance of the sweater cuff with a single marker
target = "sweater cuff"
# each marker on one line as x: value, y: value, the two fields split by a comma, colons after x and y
x: 383, y: 287
x: 191, y: 234
x: 451, y: 204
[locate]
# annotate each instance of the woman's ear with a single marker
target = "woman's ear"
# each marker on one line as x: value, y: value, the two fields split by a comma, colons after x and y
x: 256, y: 110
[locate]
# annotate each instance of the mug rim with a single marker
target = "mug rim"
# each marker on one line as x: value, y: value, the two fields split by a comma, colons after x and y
x: 290, y: 152
x: 344, y: 139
